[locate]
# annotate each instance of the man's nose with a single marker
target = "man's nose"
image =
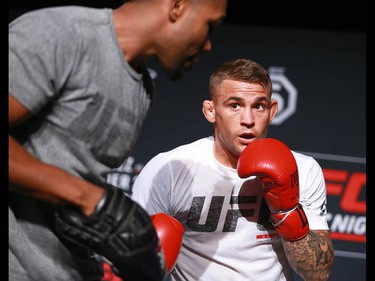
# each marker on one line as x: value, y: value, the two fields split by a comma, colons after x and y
x: 247, y: 117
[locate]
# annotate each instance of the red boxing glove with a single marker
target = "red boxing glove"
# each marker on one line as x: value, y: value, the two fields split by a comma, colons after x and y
x: 170, y: 232
x: 274, y: 164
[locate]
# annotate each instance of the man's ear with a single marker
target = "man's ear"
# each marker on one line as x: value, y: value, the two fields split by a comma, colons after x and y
x: 274, y: 108
x: 208, y: 110
x: 176, y: 9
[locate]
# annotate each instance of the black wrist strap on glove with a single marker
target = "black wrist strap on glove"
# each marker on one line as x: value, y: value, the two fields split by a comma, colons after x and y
x: 119, y: 230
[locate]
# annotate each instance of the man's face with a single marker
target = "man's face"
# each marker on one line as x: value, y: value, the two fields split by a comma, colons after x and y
x: 189, y: 36
x: 242, y: 113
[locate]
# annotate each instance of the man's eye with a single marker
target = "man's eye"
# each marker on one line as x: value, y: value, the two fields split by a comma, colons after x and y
x: 235, y: 105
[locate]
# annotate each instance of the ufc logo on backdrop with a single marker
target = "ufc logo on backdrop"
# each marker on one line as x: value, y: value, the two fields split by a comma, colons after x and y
x: 284, y: 92
x: 348, y: 188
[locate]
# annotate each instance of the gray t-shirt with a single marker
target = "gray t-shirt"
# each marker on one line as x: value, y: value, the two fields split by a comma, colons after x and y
x: 88, y: 106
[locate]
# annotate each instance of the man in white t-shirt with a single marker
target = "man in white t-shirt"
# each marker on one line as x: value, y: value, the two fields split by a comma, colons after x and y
x: 252, y: 209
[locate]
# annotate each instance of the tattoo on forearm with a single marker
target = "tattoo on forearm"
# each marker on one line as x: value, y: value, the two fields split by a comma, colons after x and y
x: 311, y: 257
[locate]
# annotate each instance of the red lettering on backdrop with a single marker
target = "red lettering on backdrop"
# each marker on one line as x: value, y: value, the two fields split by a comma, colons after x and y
x: 335, y: 183
x: 347, y: 186
x: 349, y: 201
x: 332, y: 176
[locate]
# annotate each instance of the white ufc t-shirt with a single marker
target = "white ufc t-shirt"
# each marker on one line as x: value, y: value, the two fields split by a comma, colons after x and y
x: 228, y: 235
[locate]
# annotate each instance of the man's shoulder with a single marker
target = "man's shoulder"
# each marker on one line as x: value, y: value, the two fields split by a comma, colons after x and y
x: 61, y: 14
x: 189, y: 149
x: 305, y: 161
x: 199, y: 143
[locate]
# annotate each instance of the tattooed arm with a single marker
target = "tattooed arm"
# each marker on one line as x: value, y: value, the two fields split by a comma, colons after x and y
x: 311, y: 257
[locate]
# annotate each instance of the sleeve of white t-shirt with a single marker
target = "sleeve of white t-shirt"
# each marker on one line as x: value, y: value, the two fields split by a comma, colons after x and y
x: 152, y: 187
x: 313, y: 195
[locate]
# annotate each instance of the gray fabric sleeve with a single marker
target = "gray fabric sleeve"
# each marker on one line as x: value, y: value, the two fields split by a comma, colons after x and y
x: 41, y: 58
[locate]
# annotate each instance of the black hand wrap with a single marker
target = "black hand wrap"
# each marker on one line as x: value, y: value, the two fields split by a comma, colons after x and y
x: 119, y: 230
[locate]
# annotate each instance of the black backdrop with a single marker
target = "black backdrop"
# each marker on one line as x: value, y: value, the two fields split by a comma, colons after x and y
x: 319, y: 79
